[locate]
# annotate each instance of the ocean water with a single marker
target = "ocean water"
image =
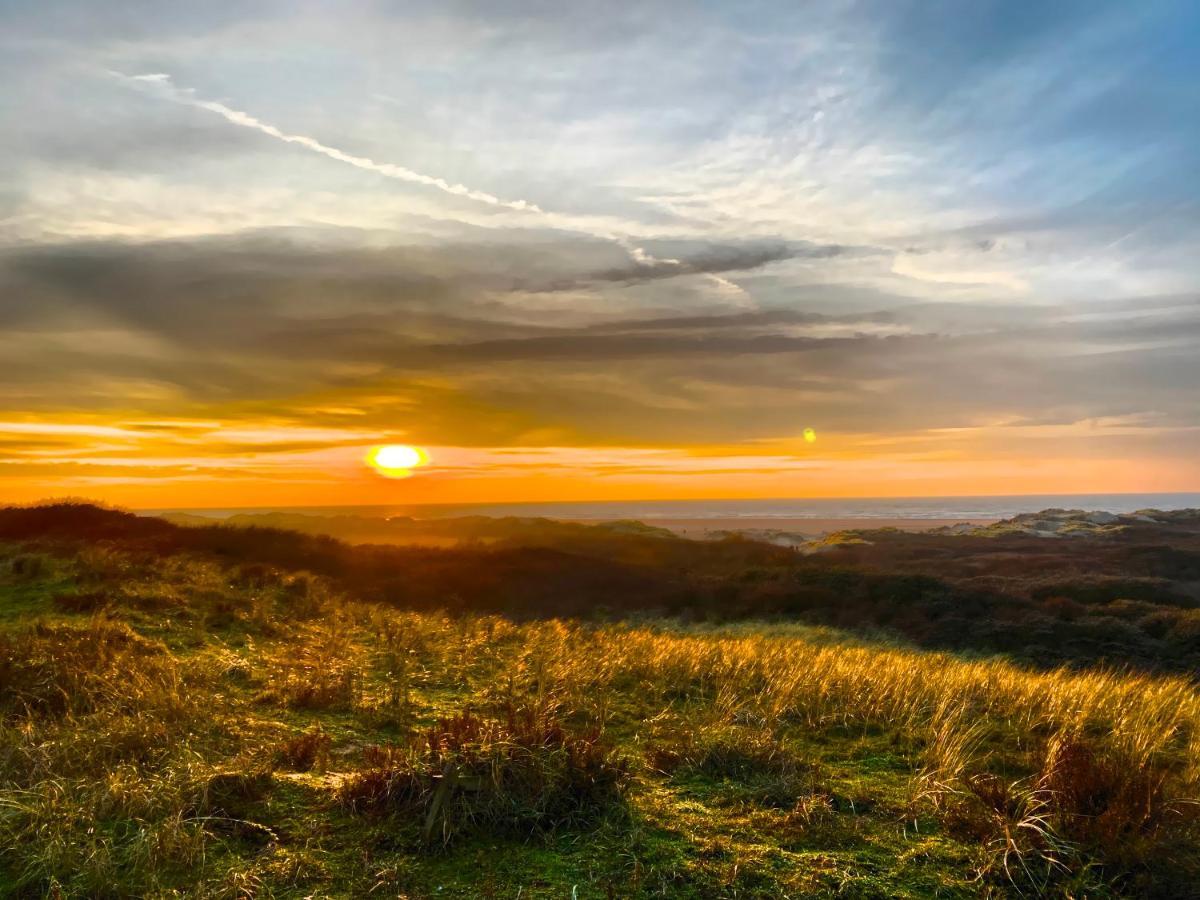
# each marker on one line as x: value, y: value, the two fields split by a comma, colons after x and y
x: 849, y: 508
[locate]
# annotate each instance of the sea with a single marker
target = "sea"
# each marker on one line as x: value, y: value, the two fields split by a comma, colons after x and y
x: 964, y: 508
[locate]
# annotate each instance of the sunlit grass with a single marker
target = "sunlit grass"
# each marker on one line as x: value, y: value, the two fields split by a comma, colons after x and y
x: 186, y: 727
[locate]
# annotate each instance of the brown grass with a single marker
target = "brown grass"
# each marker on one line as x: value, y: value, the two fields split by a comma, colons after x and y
x: 306, y: 751
x: 525, y: 772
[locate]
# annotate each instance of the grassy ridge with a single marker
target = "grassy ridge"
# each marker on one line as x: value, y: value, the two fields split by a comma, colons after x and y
x: 177, y: 725
x: 1124, y: 597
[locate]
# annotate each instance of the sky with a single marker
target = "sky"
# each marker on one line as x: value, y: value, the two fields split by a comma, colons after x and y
x: 587, y: 251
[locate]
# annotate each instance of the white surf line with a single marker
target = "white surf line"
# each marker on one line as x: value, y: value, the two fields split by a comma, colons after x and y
x: 160, y: 84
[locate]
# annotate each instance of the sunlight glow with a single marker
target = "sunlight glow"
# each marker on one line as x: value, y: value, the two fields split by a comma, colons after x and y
x: 396, y: 460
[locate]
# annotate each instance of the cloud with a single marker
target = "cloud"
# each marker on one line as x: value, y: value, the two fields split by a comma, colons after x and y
x: 708, y: 260
x: 445, y: 341
x: 688, y: 259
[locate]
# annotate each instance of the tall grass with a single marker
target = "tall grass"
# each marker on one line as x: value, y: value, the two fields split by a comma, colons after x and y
x: 137, y: 739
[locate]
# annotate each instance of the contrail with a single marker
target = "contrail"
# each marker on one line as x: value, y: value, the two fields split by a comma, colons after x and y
x: 163, y: 84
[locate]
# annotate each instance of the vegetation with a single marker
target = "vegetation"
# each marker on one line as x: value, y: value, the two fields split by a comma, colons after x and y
x: 1124, y: 596
x: 183, y: 714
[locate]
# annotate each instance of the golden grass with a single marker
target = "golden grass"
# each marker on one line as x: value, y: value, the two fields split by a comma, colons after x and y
x: 117, y: 743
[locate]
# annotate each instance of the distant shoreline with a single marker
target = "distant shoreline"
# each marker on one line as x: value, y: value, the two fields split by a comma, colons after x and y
x: 798, y: 515
x: 956, y: 507
x: 811, y: 527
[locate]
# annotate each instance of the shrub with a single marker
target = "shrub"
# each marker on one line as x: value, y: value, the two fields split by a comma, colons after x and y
x: 1134, y: 815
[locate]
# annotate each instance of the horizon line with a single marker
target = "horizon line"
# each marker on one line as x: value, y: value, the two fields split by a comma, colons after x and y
x: 1195, y: 492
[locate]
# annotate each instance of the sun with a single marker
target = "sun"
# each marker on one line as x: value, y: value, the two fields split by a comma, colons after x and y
x: 396, y: 460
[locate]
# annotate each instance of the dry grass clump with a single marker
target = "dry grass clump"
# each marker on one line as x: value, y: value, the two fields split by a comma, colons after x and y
x: 119, y: 833
x: 317, y: 688
x: 83, y: 601
x: 306, y: 751
x: 101, y: 731
x: 27, y: 565
x: 319, y: 670
x: 225, y: 804
x: 1085, y: 808
x: 525, y: 773
x: 60, y: 669
x: 95, y: 762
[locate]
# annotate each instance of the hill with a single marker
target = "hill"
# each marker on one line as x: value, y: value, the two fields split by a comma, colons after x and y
x: 1126, y: 594
x: 229, y: 712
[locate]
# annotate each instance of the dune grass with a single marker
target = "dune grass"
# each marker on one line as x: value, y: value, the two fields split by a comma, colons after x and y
x: 172, y: 727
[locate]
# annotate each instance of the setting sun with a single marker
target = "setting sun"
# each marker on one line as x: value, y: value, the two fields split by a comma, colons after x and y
x: 396, y: 460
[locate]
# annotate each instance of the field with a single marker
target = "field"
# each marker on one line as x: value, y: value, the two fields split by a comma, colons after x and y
x: 198, y: 713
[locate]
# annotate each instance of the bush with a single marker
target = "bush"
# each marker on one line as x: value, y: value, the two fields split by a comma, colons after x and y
x: 1134, y: 815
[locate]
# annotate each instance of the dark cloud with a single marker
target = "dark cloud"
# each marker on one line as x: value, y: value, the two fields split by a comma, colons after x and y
x: 628, y: 346
x: 264, y: 323
x: 682, y: 259
x: 757, y: 318
x: 200, y: 288
x: 715, y: 259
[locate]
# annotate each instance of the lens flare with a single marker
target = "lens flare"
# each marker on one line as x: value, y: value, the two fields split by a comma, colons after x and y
x: 396, y: 460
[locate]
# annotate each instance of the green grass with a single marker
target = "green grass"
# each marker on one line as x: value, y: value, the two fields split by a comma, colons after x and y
x: 153, y: 742
x: 29, y: 582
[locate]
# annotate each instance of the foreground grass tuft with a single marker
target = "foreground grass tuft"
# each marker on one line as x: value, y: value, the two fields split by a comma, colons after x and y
x: 524, y: 773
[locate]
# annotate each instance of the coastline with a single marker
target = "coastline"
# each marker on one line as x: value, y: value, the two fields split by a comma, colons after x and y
x: 809, y: 527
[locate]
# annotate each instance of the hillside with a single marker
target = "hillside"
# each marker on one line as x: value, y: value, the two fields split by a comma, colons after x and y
x: 196, y: 712
x: 1125, y: 594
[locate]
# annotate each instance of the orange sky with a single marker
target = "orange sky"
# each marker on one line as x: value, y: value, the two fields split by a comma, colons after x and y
x: 197, y: 463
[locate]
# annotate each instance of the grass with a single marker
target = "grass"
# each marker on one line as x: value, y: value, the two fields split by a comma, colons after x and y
x: 171, y: 726
x: 523, y: 773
